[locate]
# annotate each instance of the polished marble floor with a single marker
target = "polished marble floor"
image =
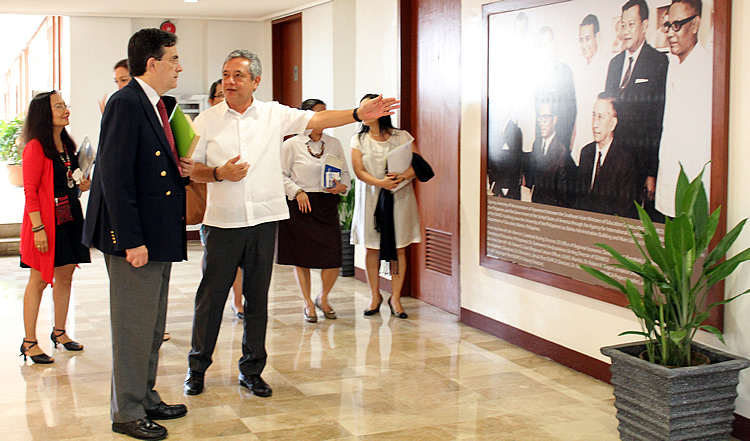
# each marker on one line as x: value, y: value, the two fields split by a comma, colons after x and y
x: 354, y: 378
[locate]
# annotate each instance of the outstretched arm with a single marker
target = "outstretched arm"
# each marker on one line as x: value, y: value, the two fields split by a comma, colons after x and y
x: 369, y: 109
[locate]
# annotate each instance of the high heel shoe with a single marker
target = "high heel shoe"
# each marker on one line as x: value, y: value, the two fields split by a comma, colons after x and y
x: 310, y: 318
x: 401, y: 315
x: 330, y: 315
x: 71, y: 345
x: 39, y: 358
x: 370, y: 312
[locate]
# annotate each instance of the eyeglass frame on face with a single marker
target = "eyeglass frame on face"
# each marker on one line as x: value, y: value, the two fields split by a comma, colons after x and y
x: 544, y: 118
x: 678, y: 24
x: 61, y: 107
x: 175, y: 60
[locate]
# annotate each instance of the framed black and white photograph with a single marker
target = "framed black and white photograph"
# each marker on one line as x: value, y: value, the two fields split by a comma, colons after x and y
x: 589, y: 108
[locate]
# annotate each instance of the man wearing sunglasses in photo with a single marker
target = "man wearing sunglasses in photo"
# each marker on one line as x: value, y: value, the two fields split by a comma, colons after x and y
x: 686, y: 137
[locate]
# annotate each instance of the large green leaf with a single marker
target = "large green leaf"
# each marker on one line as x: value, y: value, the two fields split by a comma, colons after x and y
x: 603, y: 277
x: 682, y: 185
x: 724, y: 269
x: 724, y: 244
x: 680, y: 245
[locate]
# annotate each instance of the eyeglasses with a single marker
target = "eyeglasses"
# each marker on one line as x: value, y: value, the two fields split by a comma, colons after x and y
x: 174, y: 60
x: 678, y: 24
x: 61, y: 107
x: 545, y: 117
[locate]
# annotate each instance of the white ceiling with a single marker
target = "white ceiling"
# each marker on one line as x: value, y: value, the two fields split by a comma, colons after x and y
x: 19, y: 19
x: 255, y: 10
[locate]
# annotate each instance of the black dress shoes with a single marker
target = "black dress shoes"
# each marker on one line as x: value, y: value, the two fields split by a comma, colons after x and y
x: 193, y: 383
x: 164, y: 411
x: 256, y: 385
x: 142, y: 428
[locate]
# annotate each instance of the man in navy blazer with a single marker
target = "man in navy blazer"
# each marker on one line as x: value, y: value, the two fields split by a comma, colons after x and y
x: 638, y: 76
x: 136, y: 217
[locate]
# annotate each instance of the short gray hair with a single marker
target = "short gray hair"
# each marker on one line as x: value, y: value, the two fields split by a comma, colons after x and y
x: 254, y: 67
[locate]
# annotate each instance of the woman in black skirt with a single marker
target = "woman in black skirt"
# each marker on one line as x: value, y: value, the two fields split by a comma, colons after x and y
x: 52, y: 220
x: 311, y: 237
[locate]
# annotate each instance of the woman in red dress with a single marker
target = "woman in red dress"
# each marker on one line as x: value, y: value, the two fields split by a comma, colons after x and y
x: 52, y: 221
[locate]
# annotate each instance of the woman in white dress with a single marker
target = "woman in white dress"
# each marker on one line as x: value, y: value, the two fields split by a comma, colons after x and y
x: 370, y: 148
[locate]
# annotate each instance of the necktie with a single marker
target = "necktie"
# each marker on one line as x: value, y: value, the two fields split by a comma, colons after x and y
x: 168, y: 130
x: 544, y: 147
x: 596, y: 171
x: 628, y: 72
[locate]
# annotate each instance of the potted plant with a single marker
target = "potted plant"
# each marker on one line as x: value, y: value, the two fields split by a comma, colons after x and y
x: 346, y: 212
x: 10, y: 149
x: 669, y: 387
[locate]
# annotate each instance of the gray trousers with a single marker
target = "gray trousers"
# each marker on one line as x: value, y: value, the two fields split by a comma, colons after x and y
x: 138, y: 308
x: 252, y: 249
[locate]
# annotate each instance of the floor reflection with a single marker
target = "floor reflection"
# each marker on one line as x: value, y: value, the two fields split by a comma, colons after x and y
x: 354, y: 378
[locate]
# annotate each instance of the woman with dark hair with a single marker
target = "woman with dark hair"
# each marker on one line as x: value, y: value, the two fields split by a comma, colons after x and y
x: 311, y: 237
x: 370, y: 148
x: 215, y: 93
x: 53, y: 221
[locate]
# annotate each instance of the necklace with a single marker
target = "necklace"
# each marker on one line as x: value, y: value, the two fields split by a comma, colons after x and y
x: 376, y: 134
x: 322, y: 149
x: 66, y: 160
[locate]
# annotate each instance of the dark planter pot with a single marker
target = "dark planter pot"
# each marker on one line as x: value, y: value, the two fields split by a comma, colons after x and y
x: 347, y: 254
x: 657, y: 403
x: 15, y: 174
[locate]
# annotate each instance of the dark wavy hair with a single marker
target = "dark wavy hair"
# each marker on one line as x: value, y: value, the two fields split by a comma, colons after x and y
x: 38, y: 125
x: 310, y: 103
x: 384, y: 122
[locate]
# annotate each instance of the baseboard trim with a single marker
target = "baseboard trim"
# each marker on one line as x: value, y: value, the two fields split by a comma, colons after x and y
x: 567, y: 357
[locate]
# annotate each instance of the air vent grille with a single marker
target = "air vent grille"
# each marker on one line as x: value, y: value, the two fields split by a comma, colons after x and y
x: 439, y: 251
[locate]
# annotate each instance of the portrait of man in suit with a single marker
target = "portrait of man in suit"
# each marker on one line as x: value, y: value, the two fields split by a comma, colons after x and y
x: 637, y: 77
x: 555, y: 82
x: 606, y: 175
x: 551, y: 170
x: 505, y: 159
x: 136, y: 217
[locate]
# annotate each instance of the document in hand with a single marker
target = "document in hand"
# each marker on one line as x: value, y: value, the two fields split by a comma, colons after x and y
x: 185, y: 138
x: 86, y: 157
x: 331, y: 170
x: 399, y: 159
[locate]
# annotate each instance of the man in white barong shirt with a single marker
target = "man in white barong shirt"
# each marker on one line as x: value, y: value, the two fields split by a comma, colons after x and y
x: 686, y: 137
x: 239, y: 156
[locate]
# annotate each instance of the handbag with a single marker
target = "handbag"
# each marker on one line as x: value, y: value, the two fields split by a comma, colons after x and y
x: 195, y: 200
x: 421, y: 168
x: 63, y: 212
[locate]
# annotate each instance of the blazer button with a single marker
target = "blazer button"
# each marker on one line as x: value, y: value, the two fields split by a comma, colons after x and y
x: 169, y: 192
x: 158, y: 153
x: 164, y: 173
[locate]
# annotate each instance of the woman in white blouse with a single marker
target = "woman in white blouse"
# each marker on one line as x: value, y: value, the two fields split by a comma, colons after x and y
x: 311, y: 237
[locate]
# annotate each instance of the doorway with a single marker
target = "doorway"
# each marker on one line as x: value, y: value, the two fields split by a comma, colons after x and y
x: 287, y: 60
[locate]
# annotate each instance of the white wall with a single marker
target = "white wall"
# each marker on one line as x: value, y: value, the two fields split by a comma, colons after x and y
x: 568, y: 319
x: 96, y: 44
x: 377, y: 59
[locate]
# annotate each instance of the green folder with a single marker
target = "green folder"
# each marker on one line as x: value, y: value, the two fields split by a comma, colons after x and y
x: 185, y: 138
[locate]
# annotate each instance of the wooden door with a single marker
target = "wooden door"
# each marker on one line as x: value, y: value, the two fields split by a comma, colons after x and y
x: 287, y: 60
x: 431, y: 99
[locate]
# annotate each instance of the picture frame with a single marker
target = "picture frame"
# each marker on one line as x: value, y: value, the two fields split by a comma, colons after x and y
x: 544, y: 239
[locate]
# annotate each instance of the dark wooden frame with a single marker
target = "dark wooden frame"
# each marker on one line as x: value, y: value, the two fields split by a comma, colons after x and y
x: 719, y: 156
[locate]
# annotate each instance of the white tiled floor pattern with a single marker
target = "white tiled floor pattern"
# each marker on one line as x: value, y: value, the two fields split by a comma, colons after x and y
x: 355, y: 378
